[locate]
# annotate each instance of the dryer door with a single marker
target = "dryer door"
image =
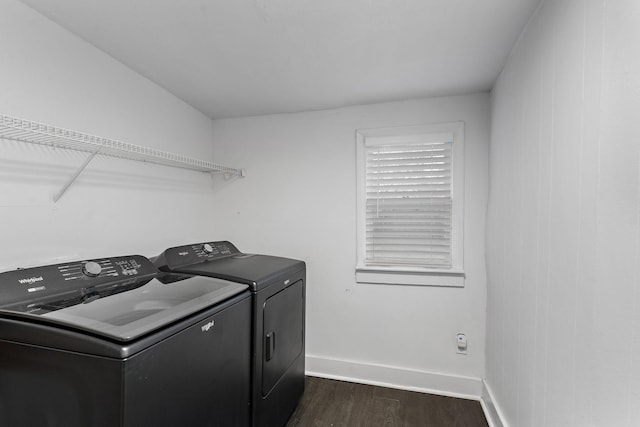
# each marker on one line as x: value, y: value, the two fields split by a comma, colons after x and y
x: 283, y: 333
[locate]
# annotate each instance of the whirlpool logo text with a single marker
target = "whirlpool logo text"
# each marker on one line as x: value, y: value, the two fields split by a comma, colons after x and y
x: 30, y: 280
x: 205, y: 328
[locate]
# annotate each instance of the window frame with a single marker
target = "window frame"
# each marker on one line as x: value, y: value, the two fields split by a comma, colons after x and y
x: 413, y: 275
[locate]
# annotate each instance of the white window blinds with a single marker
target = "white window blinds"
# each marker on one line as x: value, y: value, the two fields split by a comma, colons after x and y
x: 409, y: 203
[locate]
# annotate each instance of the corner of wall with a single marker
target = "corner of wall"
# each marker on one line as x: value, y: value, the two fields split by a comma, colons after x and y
x: 490, y: 407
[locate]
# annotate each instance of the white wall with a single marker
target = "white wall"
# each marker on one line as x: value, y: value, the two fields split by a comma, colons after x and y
x: 299, y: 200
x: 117, y: 207
x: 563, y: 230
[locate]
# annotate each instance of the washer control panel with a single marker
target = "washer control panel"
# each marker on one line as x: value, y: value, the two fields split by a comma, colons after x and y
x: 194, y: 253
x: 73, y: 280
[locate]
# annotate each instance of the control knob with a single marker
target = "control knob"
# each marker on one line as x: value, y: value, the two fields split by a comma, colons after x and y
x: 207, y: 248
x: 91, y: 269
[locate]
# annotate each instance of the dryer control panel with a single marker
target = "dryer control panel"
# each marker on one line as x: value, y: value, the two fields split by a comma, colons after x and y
x: 31, y: 289
x: 195, y: 253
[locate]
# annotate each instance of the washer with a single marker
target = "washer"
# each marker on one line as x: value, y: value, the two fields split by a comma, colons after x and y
x: 278, y: 315
x: 111, y: 342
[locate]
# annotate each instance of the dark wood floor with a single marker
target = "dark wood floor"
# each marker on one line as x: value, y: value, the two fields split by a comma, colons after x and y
x: 329, y: 403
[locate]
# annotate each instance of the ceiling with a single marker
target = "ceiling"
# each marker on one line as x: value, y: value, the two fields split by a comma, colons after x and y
x: 231, y: 58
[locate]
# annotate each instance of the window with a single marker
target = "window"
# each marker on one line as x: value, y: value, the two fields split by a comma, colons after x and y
x: 410, y: 189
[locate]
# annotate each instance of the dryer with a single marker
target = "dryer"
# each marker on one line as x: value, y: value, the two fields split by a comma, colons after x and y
x: 278, y: 293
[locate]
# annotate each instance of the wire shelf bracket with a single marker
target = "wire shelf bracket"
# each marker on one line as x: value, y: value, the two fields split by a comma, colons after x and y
x: 16, y: 129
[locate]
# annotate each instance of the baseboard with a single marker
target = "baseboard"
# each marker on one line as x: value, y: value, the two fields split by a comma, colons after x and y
x: 394, y: 377
x: 491, y: 409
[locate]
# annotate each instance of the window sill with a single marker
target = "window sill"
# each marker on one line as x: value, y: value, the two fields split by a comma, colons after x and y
x: 410, y: 276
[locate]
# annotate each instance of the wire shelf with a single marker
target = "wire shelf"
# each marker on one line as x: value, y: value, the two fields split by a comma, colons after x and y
x: 16, y: 129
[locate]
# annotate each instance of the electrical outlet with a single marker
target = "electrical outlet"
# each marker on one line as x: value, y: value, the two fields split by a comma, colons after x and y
x: 461, y: 340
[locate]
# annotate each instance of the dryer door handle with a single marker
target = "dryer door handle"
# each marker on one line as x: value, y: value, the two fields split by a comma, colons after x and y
x: 270, y: 345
